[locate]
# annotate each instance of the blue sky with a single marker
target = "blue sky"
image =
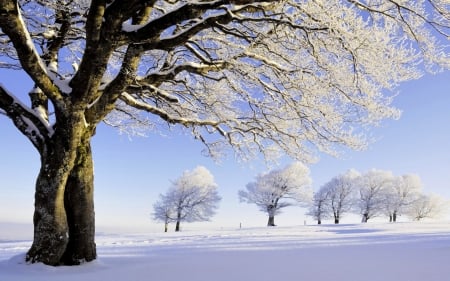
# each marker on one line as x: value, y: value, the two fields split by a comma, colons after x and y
x: 130, y: 173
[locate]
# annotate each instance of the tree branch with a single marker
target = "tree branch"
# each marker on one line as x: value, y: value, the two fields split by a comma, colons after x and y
x: 12, y: 25
x: 129, y: 100
x: 33, y: 126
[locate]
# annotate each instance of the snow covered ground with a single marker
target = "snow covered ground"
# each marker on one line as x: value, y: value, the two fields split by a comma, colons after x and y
x: 366, y: 252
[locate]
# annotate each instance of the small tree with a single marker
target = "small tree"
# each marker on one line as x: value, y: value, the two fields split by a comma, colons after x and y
x: 427, y: 206
x: 372, y: 187
x: 320, y: 207
x: 404, y: 191
x: 340, y: 191
x: 192, y: 197
x: 278, y: 189
x: 163, y: 211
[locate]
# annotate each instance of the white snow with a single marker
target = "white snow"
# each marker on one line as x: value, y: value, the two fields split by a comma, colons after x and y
x: 369, y: 252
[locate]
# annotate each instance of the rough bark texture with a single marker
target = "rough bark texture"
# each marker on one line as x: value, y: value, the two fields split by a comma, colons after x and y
x: 50, y: 220
x: 64, y: 211
x: 79, y: 204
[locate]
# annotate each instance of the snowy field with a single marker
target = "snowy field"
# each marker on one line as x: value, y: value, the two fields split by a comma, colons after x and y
x: 357, y: 252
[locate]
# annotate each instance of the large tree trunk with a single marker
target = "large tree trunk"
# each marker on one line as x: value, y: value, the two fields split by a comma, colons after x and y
x: 64, y: 210
x: 394, y: 216
x: 79, y: 204
x: 50, y: 220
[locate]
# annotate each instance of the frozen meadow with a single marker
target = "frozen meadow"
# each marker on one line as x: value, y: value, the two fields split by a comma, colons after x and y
x: 367, y: 252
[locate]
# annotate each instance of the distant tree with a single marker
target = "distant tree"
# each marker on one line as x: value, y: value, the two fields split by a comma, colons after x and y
x: 263, y: 76
x: 278, y: 189
x: 427, y: 206
x: 163, y: 211
x: 320, y: 207
x: 404, y: 191
x: 341, y: 194
x: 192, y: 197
x: 372, y: 186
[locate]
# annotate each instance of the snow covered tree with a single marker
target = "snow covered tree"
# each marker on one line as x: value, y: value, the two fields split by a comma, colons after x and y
x: 320, y: 207
x: 404, y: 191
x: 258, y: 76
x: 373, y: 186
x: 341, y: 194
x: 192, y: 197
x: 278, y: 189
x: 163, y: 211
x: 427, y: 206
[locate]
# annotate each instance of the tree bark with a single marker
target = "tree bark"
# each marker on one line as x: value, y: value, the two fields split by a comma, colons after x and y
x: 365, y: 218
x: 337, y: 216
x: 271, y: 221
x: 394, y: 217
x: 51, y: 233
x: 50, y: 221
x: 177, y: 225
x: 63, y: 220
x: 79, y: 205
x: 319, y: 221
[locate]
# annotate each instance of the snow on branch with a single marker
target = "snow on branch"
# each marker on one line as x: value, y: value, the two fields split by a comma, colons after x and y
x: 131, y: 101
x: 12, y: 24
x: 26, y: 120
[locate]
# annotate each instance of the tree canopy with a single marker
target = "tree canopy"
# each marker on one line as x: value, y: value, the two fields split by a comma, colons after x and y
x: 278, y: 189
x: 192, y: 197
x: 261, y: 76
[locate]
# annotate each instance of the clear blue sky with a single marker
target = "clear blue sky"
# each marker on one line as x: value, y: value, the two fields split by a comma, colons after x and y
x: 129, y: 174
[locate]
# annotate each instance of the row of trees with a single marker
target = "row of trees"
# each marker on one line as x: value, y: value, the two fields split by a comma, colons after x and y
x: 194, y: 197
x: 374, y: 193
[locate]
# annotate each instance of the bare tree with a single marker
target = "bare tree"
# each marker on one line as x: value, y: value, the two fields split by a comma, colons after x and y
x: 427, y: 206
x: 278, y: 189
x: 193, y: 197
x: 372, y: 192
x: 258, y: 76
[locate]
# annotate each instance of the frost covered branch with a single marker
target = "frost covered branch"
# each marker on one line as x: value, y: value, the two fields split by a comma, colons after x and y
x: 129, y: 100
x: 33, y: 126
x: 12, y: 24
